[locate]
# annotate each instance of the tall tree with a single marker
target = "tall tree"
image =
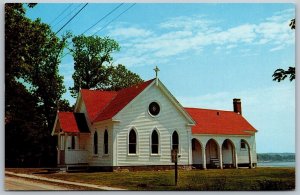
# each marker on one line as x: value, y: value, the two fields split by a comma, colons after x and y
x: 281, y: 74
x: 47, y: 84
x: 120, y: 77
x: 33, y: 86
x: 91, y: 54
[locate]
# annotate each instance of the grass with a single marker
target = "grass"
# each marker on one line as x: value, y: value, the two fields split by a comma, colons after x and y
x: 207, y: 180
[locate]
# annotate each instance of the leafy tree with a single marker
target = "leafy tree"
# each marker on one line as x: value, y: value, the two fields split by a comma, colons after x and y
x: 18, y: 39
x: 90, y: 55
x: 24, y: 128
x: 120, y: 78
x: 47, y: 84
x: 33, y: 87
x: 33, y: 54
x: 281, y: 74
x: 293, y: 24
x: 64, y: 105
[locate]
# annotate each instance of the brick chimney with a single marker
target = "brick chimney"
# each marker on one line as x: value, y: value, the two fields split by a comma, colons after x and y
x: 237, y: 106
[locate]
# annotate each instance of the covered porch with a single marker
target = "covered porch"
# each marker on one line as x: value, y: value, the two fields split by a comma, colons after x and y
x: 219, y: 155
x: 72, y: 136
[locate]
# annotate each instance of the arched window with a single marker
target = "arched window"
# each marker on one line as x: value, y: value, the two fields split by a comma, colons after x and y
x: 175, y: 141
x: 132, y: 142
x: 95, y: 143
x: 243, y: 144
x: 73, y: 142
x: 154, y: 142
x: 105, y: 142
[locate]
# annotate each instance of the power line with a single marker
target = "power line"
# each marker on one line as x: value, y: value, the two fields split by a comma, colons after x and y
x: 114, y: 19
x: 72, y: 18
x: 104, y: 17
x: 61, y: 13
x: 67, y: 15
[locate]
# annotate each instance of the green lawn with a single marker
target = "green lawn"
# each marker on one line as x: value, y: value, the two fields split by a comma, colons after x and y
x: 208, y: 180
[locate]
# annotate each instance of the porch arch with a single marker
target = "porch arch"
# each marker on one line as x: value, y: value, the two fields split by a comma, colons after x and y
x: 229, y: 154
x: 246, y: 152
x: 198, y: 159
x: 213, y: 154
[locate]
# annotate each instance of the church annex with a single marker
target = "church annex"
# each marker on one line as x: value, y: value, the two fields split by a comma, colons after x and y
x: 137, y: 127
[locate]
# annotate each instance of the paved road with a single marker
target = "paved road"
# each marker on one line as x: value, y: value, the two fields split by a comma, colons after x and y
x: 14, y: 183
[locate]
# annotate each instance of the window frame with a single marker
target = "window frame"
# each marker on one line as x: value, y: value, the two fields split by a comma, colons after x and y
x: 95, y: 144
x: 73, y: 142
x: 136, y: 142
x: 105, y: 142
x: 178, y: 139
x: 158, y: 143
x: 159, y: 105
x: 243, y: 142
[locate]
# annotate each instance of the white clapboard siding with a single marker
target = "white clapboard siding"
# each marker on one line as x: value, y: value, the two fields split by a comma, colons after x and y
x: 136, y: 116
x: 101, y: 159
x: 76, y: 156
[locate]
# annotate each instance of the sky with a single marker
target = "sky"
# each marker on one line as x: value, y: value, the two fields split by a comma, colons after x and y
x: 207, y: 54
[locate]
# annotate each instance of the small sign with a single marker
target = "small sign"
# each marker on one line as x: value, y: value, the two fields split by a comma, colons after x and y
x: 174, y: 154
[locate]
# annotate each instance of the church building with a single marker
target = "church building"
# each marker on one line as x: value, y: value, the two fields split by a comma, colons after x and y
x: 137, y: 127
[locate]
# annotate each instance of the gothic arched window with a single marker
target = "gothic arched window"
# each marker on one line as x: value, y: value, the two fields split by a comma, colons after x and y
x: 175, y: 141
x: 132, y: 141
x: 105, y: 142
x: 154, y: 142
x: 95, y: 143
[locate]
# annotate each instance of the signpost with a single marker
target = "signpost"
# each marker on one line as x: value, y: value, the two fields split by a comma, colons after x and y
x: 174, y: 153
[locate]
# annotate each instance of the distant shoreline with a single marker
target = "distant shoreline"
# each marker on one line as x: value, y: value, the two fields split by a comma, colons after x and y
x: 276, y: 164
x: 276, y: 157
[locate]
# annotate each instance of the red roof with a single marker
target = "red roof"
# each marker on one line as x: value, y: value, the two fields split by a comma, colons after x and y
x: 219, y: 122
x: 67, y: 122
x: 71, y: 122
x: 102, y: 105
x: 96, y: 100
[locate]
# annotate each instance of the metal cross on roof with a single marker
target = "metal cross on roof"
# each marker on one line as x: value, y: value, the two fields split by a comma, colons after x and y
x: 156, y: 69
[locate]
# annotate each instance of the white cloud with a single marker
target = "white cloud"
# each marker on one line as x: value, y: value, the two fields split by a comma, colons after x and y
x: 231, y: 46
x: 277, y: 48
x: 242, y: 34
x: 192, y: 34
x: 188, y: 23
x: 130, y: 32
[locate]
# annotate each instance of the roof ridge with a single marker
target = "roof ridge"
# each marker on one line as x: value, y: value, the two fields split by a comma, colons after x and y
x: 65, y: 111
x: 208, y: 109
x: 97, y: 90
x: 135, y: 85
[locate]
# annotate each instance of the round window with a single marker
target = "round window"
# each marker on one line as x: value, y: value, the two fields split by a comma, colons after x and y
x: 154, y: 108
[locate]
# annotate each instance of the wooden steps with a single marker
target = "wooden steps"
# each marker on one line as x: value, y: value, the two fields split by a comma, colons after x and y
x: 215, y: 162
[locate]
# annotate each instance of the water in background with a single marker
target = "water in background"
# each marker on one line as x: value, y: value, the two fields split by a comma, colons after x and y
x: 276, y: 164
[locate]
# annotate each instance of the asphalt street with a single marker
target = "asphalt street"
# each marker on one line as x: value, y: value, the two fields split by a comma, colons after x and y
x: 17, y: 184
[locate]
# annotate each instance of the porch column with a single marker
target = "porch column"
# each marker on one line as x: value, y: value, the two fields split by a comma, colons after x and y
x: 250, y: 158
x: 65, y: 141
x: 65, y: 148
x: 204, y: 157
x: 221, y: 157
x: 58, y: 148
x: 236, y: 159
x: 77, y: 142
